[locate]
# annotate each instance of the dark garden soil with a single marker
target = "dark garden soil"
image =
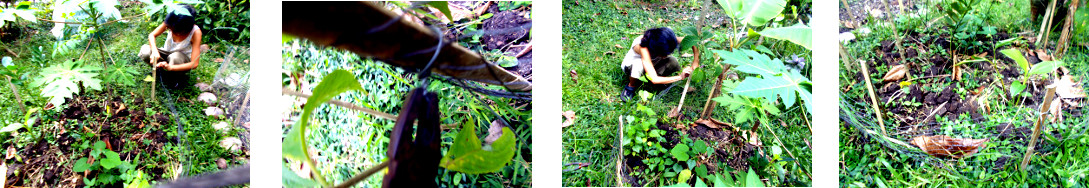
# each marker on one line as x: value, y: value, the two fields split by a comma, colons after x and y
x: 731, y: 149
x: 122, y: 132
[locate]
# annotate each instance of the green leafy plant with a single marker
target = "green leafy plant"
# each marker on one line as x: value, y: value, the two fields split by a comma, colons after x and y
x: 62, y: 80
x: 108, y: 163
x: 774, y: 81
x: 468, y: 156
x: 1027, y: 70
x: 21, y: 10
x: 124, y: 75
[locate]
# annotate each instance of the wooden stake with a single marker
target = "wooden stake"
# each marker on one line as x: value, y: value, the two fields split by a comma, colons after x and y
x: 873, y: 98
x: 716, y: 90
x: 620, y: 156
x: 1064, y: 38
x: 694, y: 65
x: 154, y: 78
x: 1044, y: 106
x: 1045, y: 26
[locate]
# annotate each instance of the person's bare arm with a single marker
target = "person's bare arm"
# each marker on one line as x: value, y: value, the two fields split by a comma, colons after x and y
x: 652, y: 75
x: 194, y: 58
x: 151, y: 43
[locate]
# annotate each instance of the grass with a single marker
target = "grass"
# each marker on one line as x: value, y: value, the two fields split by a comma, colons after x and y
x: 868, y: 161
x: 200, y: 148
x: 591, y: 33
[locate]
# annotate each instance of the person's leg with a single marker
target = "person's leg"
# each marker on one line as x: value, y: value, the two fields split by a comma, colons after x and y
x: 145, y: 54
x: 667, y: 65
x: 176, y: 79
x: 633, y: 68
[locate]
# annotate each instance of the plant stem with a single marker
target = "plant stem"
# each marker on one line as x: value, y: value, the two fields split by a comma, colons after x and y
x: 363, y: 175
x: 1044, y: 106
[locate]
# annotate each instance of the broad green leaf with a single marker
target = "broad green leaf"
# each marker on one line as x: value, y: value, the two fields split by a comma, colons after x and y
x: 1044, y: 67
x: 468, y: 156
x: 752, y: 62
x: 731, y: 7
x: 1016, y: 88
x: 752, y: 180
x: 699, y: 183
x: 111, y: 160
x: 61, y: 80
x: 758, y: 12
x: 684, y: 176
x: 688, y: 42
x: 335, y: 83
x: 699, y: 146
x: 290, y: 179
x: 1015, y: 54
x: 81, y: 165
x: 798, y: 34
x: 443, y: 7
x: 11, y: 127
x: 680, y: 152
x: 284, y: 37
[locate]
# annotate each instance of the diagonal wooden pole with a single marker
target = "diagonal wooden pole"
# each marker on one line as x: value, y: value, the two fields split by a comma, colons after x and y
x: 1039, y: 123
x: 873, y: 98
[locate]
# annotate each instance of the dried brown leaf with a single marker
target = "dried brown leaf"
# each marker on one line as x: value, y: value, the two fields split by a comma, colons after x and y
x: 956, y: 73
x: 570, y: 115
x: 574, y: 76
x: 11, y: 153
x: 895, y: 73
x: 619, y: 46
x: 945, y: 146
x: 1056, y: 110
x: 1065, y: 87
x: 1040, y: 53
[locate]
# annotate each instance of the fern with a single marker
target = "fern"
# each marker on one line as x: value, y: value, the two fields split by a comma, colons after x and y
x: 61, y: 80
x: 774, y: 81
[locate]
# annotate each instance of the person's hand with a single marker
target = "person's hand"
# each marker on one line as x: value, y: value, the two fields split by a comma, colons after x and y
x: 687, y: 72
x: 162, y: 65
x: 154, y: 56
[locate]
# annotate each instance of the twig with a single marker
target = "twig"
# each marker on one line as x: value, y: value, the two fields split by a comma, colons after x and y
x: 873, y: 98
x: 1045, y: 24
x: 931, y: 76
x: 1039, y: 122
x: 16, y: 92
x: 349, y: 105
x: 524, y: 51
x: 695, y: 63
x: 363, y: 175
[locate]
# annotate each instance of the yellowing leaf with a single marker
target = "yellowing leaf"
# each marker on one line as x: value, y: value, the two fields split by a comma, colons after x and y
x: 468, y: 156
x: 149, y: 79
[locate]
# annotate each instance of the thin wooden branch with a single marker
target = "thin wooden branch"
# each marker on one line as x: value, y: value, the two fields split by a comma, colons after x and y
x: 873, y: 98
x: 1045, y: 25
x: 620, y: 155
x: 1044, y: 106
x: 367, y: 173
x: 18, y: 99
x: 349, y: 105
x: 695, y: 63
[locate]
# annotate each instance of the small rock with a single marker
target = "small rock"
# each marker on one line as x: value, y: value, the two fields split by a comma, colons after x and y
x: 221, y: 127
x: 213, y: 111
x: 846, y: 37
x: 231, y: 143
x: 204, y: 87
x: 207, y: 98
x: 222, y: 163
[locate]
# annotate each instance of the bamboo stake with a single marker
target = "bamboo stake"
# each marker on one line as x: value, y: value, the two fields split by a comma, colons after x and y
x: 1046, y: 24
x: 695, y: 63
x: 620, y: 156
x: 1064, y: 38
x: 716, y: 90
x: 873, y: 98
x: 1039, y: 122
x: 154, y: 78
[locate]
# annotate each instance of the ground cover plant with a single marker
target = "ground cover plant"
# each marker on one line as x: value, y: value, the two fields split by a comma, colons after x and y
x: 348, y: 140
x: 955, y: 93
x: 83, y: 112
x: 743, y: 121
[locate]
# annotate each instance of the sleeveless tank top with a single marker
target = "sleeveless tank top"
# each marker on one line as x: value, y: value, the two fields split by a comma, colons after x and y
x: 185, y: 46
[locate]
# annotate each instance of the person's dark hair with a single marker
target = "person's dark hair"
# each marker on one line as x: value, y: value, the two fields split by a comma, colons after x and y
x: 660, y: 41
x: 180, y: 23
